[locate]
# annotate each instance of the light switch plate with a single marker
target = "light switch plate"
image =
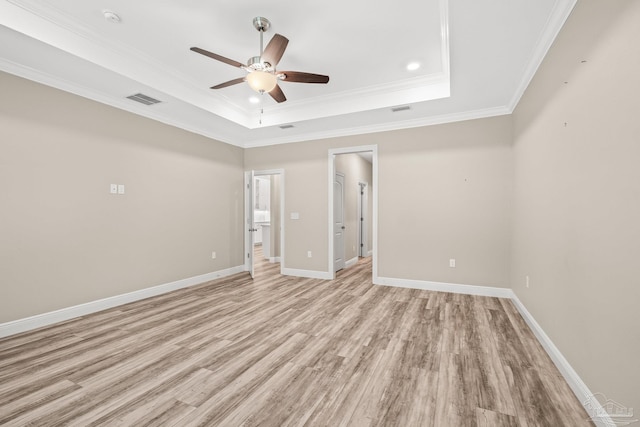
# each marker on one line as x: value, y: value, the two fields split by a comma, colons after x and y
x: 120, y: 188
x: 295, y: 215
x: 113, y: 189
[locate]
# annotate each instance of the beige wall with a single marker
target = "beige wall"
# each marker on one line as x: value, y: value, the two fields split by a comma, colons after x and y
x: 445, y: 192
x: 66, y: 240
x: 355, y: 170
x: 577, y: 196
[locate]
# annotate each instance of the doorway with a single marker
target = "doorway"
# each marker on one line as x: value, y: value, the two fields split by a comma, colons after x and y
x: 358, y: 242
x: 264, y: 221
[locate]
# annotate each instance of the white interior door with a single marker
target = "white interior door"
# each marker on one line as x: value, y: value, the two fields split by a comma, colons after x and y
x: 338, y: 221
x: 249, y: 233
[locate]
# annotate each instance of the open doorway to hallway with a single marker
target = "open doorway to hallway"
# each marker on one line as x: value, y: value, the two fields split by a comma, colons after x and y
x: 353, y: 205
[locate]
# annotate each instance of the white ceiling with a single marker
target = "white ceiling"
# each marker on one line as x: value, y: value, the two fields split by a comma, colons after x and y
x: 476, y: 59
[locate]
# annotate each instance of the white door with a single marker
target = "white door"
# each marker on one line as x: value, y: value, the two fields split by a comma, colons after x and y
x: 338, y: 222
x: 249, y: 229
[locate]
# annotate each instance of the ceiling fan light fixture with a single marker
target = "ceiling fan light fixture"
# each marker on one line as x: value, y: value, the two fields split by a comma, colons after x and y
x: 262, y: 81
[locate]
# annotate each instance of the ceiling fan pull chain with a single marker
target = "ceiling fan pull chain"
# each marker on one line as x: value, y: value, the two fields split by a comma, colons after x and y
x: 261, y: 107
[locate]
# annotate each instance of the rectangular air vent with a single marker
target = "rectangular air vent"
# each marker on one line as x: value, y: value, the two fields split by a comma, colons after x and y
x: 143, y: 99
x: 286, y: 126
x: 403, y: 108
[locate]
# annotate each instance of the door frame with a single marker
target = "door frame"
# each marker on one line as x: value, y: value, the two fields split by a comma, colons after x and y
x: 344, y: 249
x: 374, y: 215
x: 363, y: 224
x: 248, y: 212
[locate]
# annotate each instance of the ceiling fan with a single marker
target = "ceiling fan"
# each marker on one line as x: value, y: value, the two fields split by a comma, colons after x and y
x: 261, y: 70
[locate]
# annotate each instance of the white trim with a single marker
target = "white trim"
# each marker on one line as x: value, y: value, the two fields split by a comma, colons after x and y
x: 46, y: 319
x: 311, y: 274
x: 370, y: 253
x: 42, y: 23
x: 579, y: 388
x: 382, y: 127
x: 351, y: 262
x: 455, y: 288
x: 120, y: 103
x: 572, y: 378
x: 561, y: 11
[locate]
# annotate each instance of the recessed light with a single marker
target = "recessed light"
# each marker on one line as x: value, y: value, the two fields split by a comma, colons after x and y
x: 254, y: 100
x: 412, y: 66
x: 111, y: 16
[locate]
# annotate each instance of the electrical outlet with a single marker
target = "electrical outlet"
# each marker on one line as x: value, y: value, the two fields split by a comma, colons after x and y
x: 526, y: 279
x: 308, y: 254
x: 213, y: 255
x: 452, y: 263
x: 113, y: 189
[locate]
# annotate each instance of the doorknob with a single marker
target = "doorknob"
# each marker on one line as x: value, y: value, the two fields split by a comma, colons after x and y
x: 343, y: 227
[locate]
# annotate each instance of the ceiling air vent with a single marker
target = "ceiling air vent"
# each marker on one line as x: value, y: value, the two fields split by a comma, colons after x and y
x: 143, y: 99
x: 286, y: 126
x: 403, y: 108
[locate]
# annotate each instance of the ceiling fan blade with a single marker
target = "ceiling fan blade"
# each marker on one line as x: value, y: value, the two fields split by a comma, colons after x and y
x: 277, y: 94
x: 275, y: 49
x: 229, y: 83
x: 218, y: 57
x: 300, y: 77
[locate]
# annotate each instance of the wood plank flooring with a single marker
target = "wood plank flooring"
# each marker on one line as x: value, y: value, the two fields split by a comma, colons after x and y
x: 284, y: 351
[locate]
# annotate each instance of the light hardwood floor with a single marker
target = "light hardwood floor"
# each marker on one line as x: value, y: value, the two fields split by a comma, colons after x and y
x: 278, y: 351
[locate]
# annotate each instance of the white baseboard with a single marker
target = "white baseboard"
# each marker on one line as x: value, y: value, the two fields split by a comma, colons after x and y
x: 274, y: 259
x: 352, y: 261
x: 45, y: 319
x: 597, y: 413
x: 370, y: 253
x: 579, y: 388
x: 311, y: 274
x: 487, y: 291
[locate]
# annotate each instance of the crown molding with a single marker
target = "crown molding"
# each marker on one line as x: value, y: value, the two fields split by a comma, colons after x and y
x: 384, y: 127
x: 46, y: 22
x: 122, y: 104
x: 561, y: 11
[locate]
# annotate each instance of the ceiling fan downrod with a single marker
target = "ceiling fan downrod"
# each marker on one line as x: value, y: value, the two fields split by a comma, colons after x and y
x: 261, y: 24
